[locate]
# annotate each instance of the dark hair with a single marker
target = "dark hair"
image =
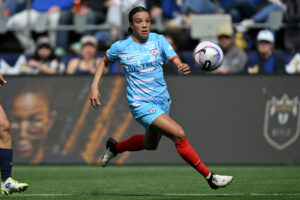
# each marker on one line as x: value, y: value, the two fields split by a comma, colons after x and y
x: 132, y: 12
x: 51, y: 57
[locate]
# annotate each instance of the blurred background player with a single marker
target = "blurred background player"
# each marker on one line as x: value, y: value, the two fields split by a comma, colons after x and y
x: 8, y: 184
x: 142, y: 57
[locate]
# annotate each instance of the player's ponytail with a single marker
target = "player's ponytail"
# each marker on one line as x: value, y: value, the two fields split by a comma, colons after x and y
x: 132, y: 12
x: 130, y: 30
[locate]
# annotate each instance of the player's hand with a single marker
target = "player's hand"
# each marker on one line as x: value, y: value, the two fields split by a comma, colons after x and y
x: 184, y: 68
x: 2, y: 80
x: 94, y: 97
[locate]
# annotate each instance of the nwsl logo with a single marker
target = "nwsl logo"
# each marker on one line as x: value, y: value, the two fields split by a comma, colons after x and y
x: 282, y: 121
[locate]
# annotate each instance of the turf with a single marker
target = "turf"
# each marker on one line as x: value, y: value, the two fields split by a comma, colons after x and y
x: 155, y: 182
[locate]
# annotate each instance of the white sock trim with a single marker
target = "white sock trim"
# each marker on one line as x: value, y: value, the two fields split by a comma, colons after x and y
x: 208, y: 176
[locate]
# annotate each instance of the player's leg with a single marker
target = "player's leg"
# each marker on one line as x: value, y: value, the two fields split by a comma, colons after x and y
x: 139, y: 142
x: 152, y: 139
x: 148, y: 141
x: 8, y: 185
x: 175, y: 132
x: 5, y: 146
x: 134, y: 143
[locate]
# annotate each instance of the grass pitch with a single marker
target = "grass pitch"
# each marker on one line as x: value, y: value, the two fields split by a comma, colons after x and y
x: 155, y: 183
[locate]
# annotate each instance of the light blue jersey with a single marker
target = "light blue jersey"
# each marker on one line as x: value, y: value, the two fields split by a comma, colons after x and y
x: 142, y: 65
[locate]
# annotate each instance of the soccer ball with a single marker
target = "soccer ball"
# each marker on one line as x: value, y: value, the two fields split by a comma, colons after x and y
x: 208, y: 56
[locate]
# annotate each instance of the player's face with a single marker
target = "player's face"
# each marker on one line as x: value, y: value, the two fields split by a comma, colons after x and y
x: 141, y: 23
x: 30, y: 122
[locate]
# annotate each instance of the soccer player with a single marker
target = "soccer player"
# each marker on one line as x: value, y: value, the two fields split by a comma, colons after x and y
x: 8, y: 184
x: 142, y: 56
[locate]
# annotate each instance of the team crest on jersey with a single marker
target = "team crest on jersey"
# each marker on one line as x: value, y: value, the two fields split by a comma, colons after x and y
x: 152, y: 110
x: 282, y: 121
x: 153, y: 51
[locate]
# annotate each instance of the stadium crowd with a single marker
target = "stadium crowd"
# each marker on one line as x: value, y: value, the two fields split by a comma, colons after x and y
x: 65, y: 36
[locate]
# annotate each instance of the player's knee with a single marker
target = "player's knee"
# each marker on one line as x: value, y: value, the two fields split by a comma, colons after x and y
x: 180, y: 134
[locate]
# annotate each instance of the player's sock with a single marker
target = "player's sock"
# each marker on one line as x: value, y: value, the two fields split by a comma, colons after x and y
x: 6, y: 163
x: 187, y: 152
x: 134, y: 143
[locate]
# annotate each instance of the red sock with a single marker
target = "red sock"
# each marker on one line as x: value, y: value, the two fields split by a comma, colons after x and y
x: 187, y: 152
x: 134, y: 143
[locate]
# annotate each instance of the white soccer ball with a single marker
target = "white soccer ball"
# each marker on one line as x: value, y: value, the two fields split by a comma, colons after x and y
x: 208, y: 56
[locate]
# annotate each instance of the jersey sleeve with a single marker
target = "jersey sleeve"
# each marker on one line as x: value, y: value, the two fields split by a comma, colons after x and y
x: 168, y: 51
x: 112, y: 54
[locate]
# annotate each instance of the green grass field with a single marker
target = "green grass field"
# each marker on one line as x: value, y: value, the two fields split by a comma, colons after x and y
x: 155, y: 182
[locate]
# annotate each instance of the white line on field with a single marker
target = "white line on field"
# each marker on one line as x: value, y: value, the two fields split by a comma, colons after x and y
x: 168, y: 194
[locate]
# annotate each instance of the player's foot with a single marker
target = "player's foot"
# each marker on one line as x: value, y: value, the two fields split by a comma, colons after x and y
x: 10, y: 186
x: 110, y: 151
x: 216, y: 181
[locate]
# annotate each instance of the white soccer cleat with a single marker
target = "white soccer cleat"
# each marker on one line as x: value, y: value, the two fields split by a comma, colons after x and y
x: 10, y: 186
x: 217, y: 181
x: 109, y: 153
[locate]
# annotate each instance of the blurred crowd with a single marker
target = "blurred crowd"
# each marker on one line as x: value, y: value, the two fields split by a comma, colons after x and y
x: 47, y: 31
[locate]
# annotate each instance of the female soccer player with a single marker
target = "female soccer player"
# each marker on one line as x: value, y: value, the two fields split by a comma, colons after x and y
x: 142, y: 56
x: 8, y: 184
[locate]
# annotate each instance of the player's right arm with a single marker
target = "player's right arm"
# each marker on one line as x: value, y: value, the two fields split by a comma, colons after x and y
x: 94, y: 92
x: 2, y: 80
x: 111, y: 55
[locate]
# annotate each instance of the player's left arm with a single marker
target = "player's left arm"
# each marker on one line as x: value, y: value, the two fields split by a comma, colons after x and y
x: 172, y: 56
x: 182, y: 67
x: 2, y: 80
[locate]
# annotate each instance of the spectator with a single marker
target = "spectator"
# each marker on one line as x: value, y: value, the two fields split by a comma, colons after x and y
x: 238, y: 9
x: 40, y: 9
x: 234, y: 58
x: 293, y: 67
x: 154, y: 6
x: 118, y: 9
x: 14, y: 6
x: 183, y: 11
x: 88, y: 62
x: 44, y: 61
x: 95, y: 11
x: 291, y: 34
x: 265, y: 61
x: 197, y: 7
x: 262, y: 15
